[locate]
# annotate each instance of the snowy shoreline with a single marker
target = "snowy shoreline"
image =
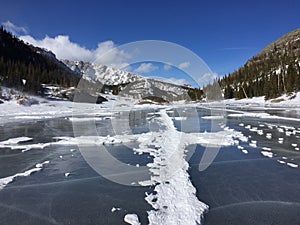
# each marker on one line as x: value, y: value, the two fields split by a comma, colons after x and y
x: 12, y: 111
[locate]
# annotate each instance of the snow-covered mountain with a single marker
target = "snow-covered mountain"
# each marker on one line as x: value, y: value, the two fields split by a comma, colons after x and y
x: 129, y: 84
x: 101, y: 73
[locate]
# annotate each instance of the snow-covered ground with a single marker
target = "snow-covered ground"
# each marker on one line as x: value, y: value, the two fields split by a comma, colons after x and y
x: 284, y: 101
x: 42, y: 108
x: 12, y: 111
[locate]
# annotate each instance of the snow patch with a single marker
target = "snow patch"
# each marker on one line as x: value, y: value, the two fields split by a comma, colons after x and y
x: 212, y: 117
x: 12, y: 141
x: 114, y: 209
x: 293, y: 165
x: 132, y: 219
x: 244, y: 151
x: 267, y: 154
x: 67, y: 174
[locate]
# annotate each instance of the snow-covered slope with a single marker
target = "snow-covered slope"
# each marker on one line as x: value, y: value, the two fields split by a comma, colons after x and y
x: 130, y: 84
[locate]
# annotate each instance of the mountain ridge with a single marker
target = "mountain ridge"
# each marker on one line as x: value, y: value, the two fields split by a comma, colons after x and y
x: 127, y: 83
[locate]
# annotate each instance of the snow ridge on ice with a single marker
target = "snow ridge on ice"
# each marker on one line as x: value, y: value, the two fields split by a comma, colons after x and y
x: 175, y: 201
x: 6, y: 180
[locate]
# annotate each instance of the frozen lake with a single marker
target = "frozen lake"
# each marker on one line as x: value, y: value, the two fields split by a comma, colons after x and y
x: 253, y: 180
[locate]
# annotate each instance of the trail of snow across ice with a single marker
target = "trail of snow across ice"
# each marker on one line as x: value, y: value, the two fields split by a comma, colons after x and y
x: 175, y: 201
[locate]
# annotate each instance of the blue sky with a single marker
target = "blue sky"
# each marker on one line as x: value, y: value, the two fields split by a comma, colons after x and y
x: 225, y: 34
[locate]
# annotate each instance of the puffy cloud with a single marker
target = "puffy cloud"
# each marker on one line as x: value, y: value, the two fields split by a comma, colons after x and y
x: 108, y: 54
x: 16, y: 30
x: 145, y: 68
x: 61, y: 45
x: 207, y: 78
x: 184, y: 65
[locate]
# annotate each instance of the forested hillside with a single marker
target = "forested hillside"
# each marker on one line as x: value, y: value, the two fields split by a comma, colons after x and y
x: 20, y: 62
x: 273, y: 72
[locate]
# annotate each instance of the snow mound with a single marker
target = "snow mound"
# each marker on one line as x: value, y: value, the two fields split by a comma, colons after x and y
x: 132, y: 219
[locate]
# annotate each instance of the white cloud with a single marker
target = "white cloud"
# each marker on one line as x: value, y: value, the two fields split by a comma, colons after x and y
x: 167, y: 66
x: 184, y: 65
x: 61, y: 45
x: 16, y: 30
x: 176, y: 81
x: 145, y: 68
x: 172, y: 80
x: 207, y: 78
